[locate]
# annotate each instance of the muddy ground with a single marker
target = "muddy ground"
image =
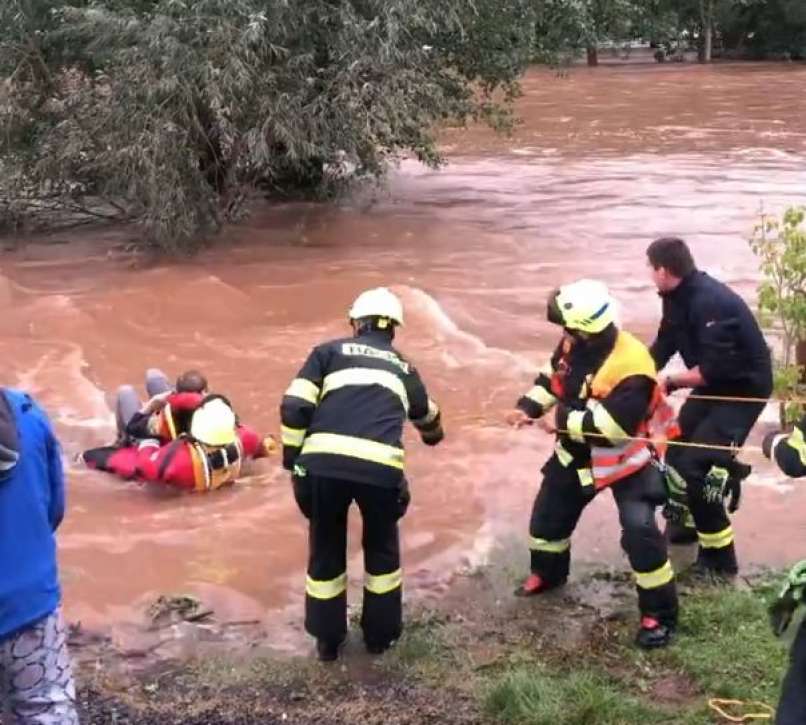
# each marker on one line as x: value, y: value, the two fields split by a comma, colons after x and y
x: 461, y: 661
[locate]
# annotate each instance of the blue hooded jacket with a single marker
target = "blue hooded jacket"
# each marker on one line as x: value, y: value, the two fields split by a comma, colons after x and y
x: 31, y: 508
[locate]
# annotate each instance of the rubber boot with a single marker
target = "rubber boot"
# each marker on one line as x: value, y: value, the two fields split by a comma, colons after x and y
x: 376, y: 648
x: 653, y: 633
x: 534, y: 585
x: 328, y: 651
x: 715, y: 565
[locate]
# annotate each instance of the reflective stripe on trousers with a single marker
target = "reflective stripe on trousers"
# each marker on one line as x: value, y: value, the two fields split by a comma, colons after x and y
x: 719, y: 540
x: 657, y: 578
x: 552, y: 547
x: 327, y: 589
x: 383, y: 583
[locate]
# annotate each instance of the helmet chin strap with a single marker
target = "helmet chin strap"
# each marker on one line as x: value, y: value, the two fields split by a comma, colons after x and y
x: 374, y: 324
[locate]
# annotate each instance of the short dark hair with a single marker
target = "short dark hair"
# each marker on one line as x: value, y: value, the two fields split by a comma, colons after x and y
x: 191, y: 381
x: 673, y: 255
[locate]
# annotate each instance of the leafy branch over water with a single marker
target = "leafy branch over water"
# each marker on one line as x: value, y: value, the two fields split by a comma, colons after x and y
x: 172, y: 113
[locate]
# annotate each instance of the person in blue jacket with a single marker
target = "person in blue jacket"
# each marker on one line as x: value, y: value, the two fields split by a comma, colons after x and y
x: 37, y: 677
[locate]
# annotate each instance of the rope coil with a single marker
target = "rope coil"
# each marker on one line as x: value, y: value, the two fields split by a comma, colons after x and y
x: 718, y: 705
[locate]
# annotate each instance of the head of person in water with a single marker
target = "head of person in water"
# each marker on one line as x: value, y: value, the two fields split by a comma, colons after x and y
x: 191, y: 381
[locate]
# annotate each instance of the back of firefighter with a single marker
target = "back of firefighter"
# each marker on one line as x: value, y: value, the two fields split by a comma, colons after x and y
x: 600, y: 387
x: 789, y: 452
x: 343, y: 418
x: 722, y: 346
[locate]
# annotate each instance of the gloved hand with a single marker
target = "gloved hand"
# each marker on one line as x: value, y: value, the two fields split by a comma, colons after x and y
x: 303, y: 490
x: 767, y: 443
x: 268, y: 445
x: 403, y: 499
x: 738, y: 471
x: 791, y: 597
x: 676, y: 508
x: 723, y: 482
x: 432, y: 437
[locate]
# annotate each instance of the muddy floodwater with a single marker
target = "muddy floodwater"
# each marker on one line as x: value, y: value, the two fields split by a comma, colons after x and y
x: 604, y: 161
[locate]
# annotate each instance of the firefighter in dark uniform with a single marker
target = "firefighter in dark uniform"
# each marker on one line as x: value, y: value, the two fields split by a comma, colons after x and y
x: 789, y: 452
x: 601, y: 388
x: 343, y: 418
x: 720, y: 342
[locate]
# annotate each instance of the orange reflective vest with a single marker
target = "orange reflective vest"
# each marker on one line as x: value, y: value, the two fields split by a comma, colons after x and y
x: 610, y: 464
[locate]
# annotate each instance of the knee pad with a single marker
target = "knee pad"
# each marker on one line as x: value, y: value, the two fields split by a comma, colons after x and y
x: 638, y: 529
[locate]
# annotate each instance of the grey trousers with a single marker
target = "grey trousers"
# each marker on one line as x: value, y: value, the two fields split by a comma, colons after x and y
x: 128, y: 402
x: 36, y: 674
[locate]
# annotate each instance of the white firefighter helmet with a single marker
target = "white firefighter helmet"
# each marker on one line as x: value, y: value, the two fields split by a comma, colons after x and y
x: 213, y: 423
x: 584, y: 305
x: 378, y: 302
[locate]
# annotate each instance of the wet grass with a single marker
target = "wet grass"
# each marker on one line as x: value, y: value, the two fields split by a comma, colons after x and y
x: 723, y: 649
x: 536, y: 696
x: 725, y: 644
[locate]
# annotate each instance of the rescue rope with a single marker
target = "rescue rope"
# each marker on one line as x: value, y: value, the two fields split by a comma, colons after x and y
x: 662, y: 441
x: 735, y: 450
x: 717, y: 705
x: 743, y: 399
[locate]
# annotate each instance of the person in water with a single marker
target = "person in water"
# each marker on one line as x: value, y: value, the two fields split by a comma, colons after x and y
x: 183, y: 437
x: 166, y: 413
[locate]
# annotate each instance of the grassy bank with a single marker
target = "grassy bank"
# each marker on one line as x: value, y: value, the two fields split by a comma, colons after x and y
x: 483, y: 657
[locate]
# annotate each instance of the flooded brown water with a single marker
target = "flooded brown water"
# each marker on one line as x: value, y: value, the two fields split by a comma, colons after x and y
x: 604, y: 161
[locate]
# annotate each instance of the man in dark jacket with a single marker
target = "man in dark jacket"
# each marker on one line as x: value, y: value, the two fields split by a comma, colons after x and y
x: 342, y: 419
x: 789, y: 452
x: 720, y: 342
x: 36, y: 670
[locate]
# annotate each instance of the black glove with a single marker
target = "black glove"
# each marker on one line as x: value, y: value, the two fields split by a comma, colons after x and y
x: 766, y: 444
x: 303, y: 490
x: 726, y: 482
x: 403, y: 499
x: 432, y: 437
x: 676, y: 508
x: 738, y: 471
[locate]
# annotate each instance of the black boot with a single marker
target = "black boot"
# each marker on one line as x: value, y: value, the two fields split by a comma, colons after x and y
x: 715, y: 566
x: 653, y: 633
x: 377, y: 648
x: 328, y: 651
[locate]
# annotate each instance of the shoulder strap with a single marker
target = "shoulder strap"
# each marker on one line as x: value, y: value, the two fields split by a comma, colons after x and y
x: 173, y: 449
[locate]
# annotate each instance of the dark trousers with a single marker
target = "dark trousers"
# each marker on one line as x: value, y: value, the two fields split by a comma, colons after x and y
x: 724, y: 424
x: 326, y: 502
x: 792, y: 707
x: 556, y: 511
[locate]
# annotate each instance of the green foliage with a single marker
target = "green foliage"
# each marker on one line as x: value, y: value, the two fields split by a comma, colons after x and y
x: 780, y: 245
x: 172, y: 112
x: 742, y: 28
x: 573, y: 25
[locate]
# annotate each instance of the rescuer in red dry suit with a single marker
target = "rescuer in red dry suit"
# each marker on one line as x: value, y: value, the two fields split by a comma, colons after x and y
x: 185, y: 438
